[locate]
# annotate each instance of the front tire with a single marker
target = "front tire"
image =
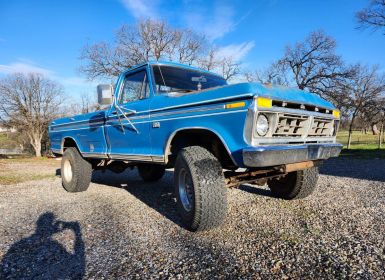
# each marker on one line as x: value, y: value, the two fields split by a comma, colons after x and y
x: 200, y: 189
x: 76, y: 172
x: 295, y: 185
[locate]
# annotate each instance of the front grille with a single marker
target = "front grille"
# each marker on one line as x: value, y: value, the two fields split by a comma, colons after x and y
x: 321, y: 127
x: 299, y: 126
x: 290, y: 125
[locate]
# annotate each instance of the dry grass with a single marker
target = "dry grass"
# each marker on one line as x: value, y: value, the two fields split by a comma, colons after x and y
x: 18, y: 170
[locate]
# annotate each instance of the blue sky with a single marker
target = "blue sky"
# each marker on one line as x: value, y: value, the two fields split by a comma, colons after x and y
x: 47, y: 36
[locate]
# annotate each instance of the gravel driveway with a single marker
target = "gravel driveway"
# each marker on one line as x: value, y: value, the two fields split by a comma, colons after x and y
x: 124, y: 228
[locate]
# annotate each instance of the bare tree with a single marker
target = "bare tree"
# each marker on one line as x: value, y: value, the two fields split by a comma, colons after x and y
x: 373, y: 115
x: 227, y: 66
x: 154, y: 40
x: 373, y: 16
x: 29, y: 103
x: 147, y: 40
x: 189, y: 46
x: 88, y: 103
x: 209, y: 62
x: 274, y: 74
x: 364, y: 88
x: 313, y: 64
x: 103, y: 60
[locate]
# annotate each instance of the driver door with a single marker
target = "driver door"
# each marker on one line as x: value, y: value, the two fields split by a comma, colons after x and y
x: 128, y: 127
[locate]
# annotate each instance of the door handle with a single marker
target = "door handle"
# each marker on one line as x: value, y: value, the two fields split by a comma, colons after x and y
x: 124, y: 114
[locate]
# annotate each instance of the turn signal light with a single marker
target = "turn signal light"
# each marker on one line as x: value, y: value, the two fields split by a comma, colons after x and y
x: 264, y: 102
x: 336, y: 114
x: 235, y: 105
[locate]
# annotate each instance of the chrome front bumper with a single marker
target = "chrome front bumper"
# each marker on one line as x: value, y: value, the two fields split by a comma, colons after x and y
x: 276, y: 155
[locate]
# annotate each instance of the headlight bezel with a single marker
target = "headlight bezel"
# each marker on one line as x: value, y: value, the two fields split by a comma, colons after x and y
x: 265, y: 125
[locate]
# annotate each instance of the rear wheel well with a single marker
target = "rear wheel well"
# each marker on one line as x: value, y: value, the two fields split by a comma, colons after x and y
x: 69, y: 142
x: 199, y: 137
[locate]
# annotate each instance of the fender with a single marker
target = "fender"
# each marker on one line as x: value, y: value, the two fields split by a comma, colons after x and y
x: 171, y: 137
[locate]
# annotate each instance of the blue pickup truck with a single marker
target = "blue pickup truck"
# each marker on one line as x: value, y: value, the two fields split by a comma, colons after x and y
x: 215, y: 135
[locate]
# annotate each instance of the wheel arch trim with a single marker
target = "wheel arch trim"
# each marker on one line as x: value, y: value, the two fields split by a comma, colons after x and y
x: 71, y: 138
x: 167, y: 147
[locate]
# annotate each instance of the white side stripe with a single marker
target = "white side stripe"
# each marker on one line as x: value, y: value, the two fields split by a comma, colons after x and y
x: 160, y: 120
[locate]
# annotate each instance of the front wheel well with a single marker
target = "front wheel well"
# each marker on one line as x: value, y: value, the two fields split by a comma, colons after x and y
x: 199, y: 137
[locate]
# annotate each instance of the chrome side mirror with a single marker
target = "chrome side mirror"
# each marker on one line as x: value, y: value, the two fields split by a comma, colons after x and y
x: 105, y: 94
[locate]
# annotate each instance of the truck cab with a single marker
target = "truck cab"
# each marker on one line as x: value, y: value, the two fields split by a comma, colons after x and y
x: 214, y: 135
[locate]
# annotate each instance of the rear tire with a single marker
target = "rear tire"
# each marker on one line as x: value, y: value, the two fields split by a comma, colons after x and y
x: 76, y: 172
x: 295, y: 185
x: 200, y: 189
x: 151, y: 172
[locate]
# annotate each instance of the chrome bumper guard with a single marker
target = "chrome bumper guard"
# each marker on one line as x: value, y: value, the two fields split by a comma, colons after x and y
x: 277, y: 155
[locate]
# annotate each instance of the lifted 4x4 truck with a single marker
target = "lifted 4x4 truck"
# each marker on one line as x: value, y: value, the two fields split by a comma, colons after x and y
x: 215, y: 135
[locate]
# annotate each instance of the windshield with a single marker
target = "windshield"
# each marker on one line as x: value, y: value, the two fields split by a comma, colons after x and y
x: 176, y: 79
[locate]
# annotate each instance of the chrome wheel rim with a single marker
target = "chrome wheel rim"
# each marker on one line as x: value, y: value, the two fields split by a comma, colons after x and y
x: 67, y: 170
x: 186, y: 190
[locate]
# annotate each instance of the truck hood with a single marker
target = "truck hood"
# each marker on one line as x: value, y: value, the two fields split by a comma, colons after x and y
x: 255, y: 89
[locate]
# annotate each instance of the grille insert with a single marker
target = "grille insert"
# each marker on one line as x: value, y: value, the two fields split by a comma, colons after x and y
x: 289, y: 125
x: 321, y: 127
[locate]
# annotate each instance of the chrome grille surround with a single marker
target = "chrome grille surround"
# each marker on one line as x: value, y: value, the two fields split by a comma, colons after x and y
x: 291, y: 126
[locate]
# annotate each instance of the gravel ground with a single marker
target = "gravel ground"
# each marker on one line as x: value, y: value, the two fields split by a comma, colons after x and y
x: 124, y: 228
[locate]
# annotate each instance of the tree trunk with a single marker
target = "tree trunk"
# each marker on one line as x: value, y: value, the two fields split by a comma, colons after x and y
x: 375, y: 129
x: 350, y: 132
x: 37, y: 149
x: 380, y: 136
x: 35, y: 140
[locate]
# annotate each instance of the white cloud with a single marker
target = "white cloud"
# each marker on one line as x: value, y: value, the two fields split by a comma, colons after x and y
x: 75, y: 81
x: 212, y: 20
x: 214, y: 24
x: 74, y: 85
x: 236, y: 51
x: 22, y: 67
x: 141, y: 8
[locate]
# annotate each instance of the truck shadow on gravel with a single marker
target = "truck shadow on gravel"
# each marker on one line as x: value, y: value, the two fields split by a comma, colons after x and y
x: 363, y: 169
x: 40, y: 256
x: 157, y: 195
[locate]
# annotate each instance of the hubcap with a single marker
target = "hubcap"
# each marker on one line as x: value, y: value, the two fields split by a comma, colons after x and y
x: 67, y: 170
x: 186, y: 190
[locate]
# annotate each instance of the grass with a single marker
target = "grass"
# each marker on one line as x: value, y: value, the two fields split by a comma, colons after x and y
x: 11, y: 179
x: 18, y: 170
x: 359, y: 139
x: 362, y: 146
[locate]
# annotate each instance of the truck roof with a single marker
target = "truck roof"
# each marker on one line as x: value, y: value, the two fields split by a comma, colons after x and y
x: 169, y: 63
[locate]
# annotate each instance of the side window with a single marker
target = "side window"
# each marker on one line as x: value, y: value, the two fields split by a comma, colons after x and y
x: 135, y: 87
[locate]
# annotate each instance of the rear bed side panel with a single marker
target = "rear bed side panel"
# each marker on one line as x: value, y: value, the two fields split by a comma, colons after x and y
x: 86, y: 130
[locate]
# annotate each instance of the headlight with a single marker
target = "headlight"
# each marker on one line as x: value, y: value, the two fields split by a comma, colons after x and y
x: 262, y: 125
